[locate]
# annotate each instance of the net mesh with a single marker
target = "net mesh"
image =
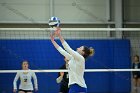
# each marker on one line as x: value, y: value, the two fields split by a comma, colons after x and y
x: 113, y: 51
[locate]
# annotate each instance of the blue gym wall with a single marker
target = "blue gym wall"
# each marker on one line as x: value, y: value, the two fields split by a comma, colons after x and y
x: 41, y: 54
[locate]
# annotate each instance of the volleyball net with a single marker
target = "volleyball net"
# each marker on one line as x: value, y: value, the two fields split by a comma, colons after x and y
x: 69, y: 33
x: 110, y: 67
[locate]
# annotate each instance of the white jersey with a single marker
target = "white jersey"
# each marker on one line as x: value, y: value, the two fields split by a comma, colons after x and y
x: 76, y: 65
x: 25, y: 80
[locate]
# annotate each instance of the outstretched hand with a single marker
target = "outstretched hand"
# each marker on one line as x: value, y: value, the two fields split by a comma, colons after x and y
x: 58, y: 31
x: 52, y: 36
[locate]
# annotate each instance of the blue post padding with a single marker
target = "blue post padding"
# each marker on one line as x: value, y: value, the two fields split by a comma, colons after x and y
x: 41, y: 54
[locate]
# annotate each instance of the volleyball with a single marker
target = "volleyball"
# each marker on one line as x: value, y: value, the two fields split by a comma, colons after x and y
x: 54, y: 22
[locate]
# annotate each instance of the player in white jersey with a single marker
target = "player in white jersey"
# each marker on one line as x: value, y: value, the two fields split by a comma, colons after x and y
x: 26, y: 85
x: 76, y: 63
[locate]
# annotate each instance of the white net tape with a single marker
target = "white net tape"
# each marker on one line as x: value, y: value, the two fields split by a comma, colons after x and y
x: 56, y: 70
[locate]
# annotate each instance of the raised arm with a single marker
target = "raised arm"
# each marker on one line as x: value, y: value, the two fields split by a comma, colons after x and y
x: 35, y: 81
x: 62, y: 51
x: 75, y: 54
x: 15, y: 82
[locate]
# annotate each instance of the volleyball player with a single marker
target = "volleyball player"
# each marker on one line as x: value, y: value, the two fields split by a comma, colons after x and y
x: 26, y: 85
x: 63, y: 78
x: 136, y: 74
x: 76, y: 63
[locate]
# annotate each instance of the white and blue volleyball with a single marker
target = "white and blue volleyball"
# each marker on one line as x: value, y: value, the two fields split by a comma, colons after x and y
x: 54, y: 22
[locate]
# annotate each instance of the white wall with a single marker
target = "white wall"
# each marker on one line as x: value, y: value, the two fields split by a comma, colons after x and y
x: 24, y: 11
x: 81, y: 10
x: 68, y: 11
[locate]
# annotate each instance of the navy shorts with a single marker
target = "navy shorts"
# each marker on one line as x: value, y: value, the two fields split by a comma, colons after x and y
x: 25, y: 90
x: 75, y: 88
